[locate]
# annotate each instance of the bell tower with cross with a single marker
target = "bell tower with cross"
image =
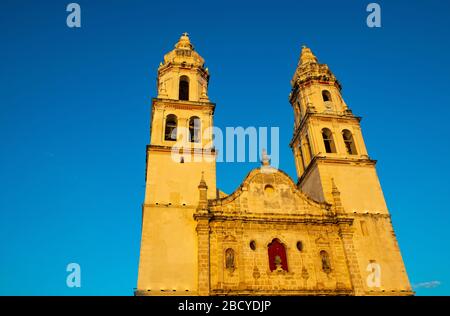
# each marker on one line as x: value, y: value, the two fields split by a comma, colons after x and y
x: 333, y: 166
x: 180, y: 152
x: 328, y: 141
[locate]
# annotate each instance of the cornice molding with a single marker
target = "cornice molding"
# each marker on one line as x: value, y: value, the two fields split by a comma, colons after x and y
x: 186, y: 150
x: 265, y: 218
x: 305, y: 292
x: 336, y: 160
x: 184, y: 105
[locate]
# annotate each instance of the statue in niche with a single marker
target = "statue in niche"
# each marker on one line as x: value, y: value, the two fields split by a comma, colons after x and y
x: 229, y: 260
x: 326, y: 265
x: 278, y: 266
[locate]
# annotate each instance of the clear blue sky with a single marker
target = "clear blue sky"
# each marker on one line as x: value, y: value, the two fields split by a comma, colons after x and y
x: 75, y: 105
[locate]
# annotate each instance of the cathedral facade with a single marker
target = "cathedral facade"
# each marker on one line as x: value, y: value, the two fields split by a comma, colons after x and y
x: 328, y: 233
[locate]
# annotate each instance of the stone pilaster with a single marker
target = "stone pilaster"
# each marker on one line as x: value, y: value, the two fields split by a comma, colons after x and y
x: 203, y: 231
x: 346, y: 234
x: 202, y: 216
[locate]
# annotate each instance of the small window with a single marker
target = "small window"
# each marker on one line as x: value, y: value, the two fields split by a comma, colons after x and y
x: 229, y: 259
x: 308, y: 145
x: 349, y: 142
x: 194, y: 129
x: 184, y: 88
x: 326, y: 95
x: 328, y: 141
x: 300, y: 246
x: 171, y: 128
x: 253, y: 245
x: 326, y: 264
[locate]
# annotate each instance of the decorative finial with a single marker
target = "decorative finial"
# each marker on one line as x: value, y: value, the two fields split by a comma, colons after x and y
x: 307, y: 55
x: 204, y: 95
x: 265, y: 159
x: 334, y: 188
x: 202, y: 182
x: 184, y: 42
x: 336, y: 197
x: 202, y: 207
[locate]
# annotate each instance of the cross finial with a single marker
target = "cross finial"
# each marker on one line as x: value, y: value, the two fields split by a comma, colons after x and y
x: 185, y: 34
x: 265, y: 158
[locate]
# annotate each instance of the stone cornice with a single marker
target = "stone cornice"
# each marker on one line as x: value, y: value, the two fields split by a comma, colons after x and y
x: 168, y: 292
x: 167, y: 205
x: 305, y: 292
x: 264, y: 218
x: 169, y: 66
x: 366, y: 214
x: 186, y: 150
x: 313, y: 71
x: 390, y: 293
x: 327, y: 159
x: 184, y: 105
x: 308, y: 82
x: 203, y: 216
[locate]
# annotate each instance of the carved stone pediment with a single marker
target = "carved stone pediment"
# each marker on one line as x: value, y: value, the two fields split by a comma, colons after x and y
x: 321, y: 241
x: 229, y: 238
x: 265, y: 193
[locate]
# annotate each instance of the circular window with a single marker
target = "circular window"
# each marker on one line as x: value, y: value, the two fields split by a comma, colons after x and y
x: 299, y: 246
x: 253, y: 245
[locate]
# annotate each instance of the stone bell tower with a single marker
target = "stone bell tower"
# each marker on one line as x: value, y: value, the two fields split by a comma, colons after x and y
x: 331, y: 156
x: 328, y: 141
x: 180, y: 153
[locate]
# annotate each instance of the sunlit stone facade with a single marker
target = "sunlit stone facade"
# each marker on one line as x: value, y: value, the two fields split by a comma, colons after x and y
x: 329, y: 233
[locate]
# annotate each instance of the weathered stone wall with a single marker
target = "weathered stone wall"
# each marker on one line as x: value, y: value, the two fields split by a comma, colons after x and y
x: 252, y: 274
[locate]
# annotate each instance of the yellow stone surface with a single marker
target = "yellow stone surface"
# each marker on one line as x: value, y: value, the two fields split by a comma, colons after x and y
x: 333, y: 223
